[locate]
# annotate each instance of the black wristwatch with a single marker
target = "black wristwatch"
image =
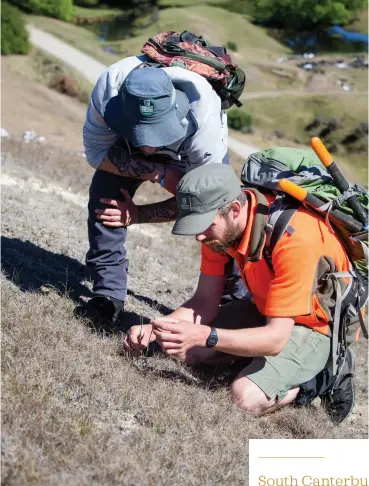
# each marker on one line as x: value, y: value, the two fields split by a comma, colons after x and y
x: 212, y: 339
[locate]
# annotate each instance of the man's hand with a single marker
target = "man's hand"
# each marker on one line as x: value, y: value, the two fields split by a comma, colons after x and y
x: 139, y: 337
x: 123, y: 213
x: 177, y: 337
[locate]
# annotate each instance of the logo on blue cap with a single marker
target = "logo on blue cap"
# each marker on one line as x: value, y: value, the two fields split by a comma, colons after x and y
x: 147, y: 107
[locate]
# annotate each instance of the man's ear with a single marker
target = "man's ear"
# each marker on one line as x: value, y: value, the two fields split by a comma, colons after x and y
x: 236, y: 209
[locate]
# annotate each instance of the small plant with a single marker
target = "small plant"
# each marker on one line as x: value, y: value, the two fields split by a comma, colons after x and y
x: 238, y: 119
x: 14, y: 37
x: 65, y: 84
x: 232, y: 46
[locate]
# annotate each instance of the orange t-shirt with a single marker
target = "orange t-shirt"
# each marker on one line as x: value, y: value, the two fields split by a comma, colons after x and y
x: 289, y: 290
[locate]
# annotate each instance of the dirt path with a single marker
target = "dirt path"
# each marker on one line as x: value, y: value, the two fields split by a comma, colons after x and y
x: 86, y: 65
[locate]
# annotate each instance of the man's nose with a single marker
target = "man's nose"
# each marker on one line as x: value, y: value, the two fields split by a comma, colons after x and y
x: 148, y: 150
x: 200, y: 237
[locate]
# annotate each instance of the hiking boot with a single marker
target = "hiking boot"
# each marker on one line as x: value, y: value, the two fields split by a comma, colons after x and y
x: 340, y: 401
x: 102, y: 311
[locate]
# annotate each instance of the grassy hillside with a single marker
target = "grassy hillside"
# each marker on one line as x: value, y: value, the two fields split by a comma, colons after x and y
x: 76, y: 409
x: 290, y: 115
x: 215, y: 23
x: 361, y: 23
x: 79, y: 37
x: 257, y: 53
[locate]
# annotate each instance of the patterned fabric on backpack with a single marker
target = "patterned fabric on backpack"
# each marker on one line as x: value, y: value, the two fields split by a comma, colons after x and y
x: 195, y: 54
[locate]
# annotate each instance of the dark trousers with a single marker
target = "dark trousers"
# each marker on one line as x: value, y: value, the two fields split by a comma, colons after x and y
x: 107, y: 256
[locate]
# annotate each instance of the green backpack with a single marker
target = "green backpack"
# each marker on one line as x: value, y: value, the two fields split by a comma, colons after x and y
x: 264, y: 171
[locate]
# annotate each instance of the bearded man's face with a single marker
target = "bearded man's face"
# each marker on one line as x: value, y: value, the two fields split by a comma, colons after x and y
x: 222, y: 234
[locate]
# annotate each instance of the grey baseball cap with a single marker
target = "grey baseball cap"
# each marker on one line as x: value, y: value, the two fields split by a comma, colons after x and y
x: 200, y: 193
x: 148, y: 110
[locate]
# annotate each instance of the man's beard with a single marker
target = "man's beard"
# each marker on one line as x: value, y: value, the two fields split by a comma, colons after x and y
x: 231, y: 239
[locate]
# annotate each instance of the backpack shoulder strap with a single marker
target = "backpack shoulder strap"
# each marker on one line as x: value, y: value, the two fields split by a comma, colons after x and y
x: 280, y: 215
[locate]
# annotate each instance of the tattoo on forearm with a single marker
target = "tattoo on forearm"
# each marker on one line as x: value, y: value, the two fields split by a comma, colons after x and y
x: 158, y: 212
x: 131, y: 165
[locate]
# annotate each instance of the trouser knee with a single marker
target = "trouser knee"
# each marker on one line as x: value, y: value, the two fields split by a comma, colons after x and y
x: 106, y: 258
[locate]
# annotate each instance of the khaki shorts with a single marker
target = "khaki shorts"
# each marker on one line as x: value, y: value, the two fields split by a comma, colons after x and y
x: 304, y: 356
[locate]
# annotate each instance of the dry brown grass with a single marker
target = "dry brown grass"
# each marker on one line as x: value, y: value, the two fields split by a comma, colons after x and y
x: 75, y: 409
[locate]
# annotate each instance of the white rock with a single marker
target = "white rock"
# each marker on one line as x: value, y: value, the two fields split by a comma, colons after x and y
x: 4, y: 133
x: 308, y: 66
x: 40, y: 139
x: 29, y: 136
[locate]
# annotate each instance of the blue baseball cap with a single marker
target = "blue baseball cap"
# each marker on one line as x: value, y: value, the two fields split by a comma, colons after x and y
x: 148, y: 110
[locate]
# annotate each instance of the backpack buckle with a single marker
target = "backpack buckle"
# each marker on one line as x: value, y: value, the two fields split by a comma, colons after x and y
x: 170, y: 47
x: 351, y: 311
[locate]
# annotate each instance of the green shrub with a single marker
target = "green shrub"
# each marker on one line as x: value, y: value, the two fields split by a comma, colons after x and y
x: 238, y: 119
x: 14, y: 36
x: 305, y: 15
x: 86, y: 3
x: 60, y: 9
x: 232, y: 46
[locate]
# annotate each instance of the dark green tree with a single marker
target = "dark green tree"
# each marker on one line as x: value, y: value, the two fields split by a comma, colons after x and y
x: 14, y: 36
x: 60, y: 9
x: 305, y: 15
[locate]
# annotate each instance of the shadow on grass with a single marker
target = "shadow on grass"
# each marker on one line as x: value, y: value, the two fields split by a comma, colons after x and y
x: 211, y: 377
x: 31, y: 267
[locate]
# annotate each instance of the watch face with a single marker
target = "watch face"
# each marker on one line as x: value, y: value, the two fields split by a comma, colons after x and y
x: 212, y: 339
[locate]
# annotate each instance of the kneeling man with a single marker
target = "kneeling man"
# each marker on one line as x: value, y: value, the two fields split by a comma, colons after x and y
x: 284, y: 324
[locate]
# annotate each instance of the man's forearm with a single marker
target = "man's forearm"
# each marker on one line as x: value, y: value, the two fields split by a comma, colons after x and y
x: 134, y: 166
x: 195, y: 311
x: 258, y: 341
x: 161, y: 212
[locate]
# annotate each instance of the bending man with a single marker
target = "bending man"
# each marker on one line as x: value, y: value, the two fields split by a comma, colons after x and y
x: 143, y: 124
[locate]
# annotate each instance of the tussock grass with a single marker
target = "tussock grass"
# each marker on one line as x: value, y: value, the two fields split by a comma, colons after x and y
x: 76, y: 410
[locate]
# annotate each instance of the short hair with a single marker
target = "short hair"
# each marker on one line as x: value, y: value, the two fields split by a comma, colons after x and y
x: 224, y: 210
